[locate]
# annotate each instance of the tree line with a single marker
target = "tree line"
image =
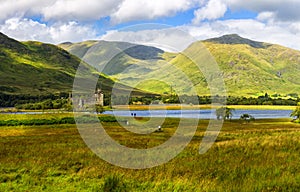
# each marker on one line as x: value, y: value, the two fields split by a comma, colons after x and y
x: 7, y: 100
x: 230, y: 100
x: 60, y: 100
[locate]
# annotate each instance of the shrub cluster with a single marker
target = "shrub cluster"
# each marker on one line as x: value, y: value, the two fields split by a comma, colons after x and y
x: 7, y: 100
x: 47, y: 104
x: 65, y: 120
x: 230, y: 100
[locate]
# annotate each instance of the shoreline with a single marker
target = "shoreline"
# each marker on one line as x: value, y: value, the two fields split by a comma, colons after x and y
x: 161, y: 107
x: 195, y: 107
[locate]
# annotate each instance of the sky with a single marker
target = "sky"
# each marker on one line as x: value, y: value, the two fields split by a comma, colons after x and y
x: 57, y: 21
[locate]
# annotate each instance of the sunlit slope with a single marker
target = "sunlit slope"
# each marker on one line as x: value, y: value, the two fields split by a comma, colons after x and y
x: 126, y: 63
x: 248, y: 68
x: 34, y: 68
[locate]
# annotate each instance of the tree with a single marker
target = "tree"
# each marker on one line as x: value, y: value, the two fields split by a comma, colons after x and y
x: 68, y: 106
x: 246, y: 117
x: 296, y: 112
x: 224, y: 113
x: 99, y: 109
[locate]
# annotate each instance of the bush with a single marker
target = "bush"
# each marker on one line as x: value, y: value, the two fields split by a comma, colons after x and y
x: 107, y: 119
x: 64, y: 120
x: 99, y: 109
x: 113, y: 183
x: 246, y: 117
x: 296, y: 113
x: 67, y: 120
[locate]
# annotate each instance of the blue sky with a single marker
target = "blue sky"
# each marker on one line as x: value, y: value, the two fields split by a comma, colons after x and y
x: 57, y: 21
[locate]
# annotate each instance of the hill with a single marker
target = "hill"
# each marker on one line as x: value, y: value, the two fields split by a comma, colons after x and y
x: 124, y: 62
x: 113, y: 57
x: 249, y: 68
x: 235, y: 39
x: 31, y: 70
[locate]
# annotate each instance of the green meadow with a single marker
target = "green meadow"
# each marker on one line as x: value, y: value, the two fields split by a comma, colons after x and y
x: 258, y: 156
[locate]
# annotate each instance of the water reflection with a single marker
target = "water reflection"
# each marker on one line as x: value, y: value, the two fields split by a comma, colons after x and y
x: 202, y: 114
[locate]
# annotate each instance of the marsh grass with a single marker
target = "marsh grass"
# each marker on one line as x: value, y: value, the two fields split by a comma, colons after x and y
x: 258, y: 156
x: 42, y: 119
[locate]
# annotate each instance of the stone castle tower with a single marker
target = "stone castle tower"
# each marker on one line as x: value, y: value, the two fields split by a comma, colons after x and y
x: 99, y: 96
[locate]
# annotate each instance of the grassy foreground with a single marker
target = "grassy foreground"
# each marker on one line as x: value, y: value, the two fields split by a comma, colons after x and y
x: 258, y: 156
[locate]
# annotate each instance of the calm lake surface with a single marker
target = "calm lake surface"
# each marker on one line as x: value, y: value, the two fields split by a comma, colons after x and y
x: 201, y: 114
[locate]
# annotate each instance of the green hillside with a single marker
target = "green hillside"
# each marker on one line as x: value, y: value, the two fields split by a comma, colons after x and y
x: 124, y: 62
x: 36, y: 68
x: 249, y: 68
x: 114, y: 57
x: 33, y: 69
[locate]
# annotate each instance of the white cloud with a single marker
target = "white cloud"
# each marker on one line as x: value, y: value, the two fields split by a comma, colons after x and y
x: 178, y: 38
x: 21, y: 8
x: 27, y: 29
x: 286, y: 35
x: 130, y: 10
x: 295, y: 28
x: 283, y: 10
x: 277, y: 21
x: 59, y: 10
x: 65, y: 10
x: 71, y: 20
x: 91, y: 10
x: 168, y: 39
x: 266, y: 16
x: 214, y: 9
x: 71, y: 31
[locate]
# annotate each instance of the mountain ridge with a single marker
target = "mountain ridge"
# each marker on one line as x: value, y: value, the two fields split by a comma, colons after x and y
x: 249, y: 67
x: 35, y: 69
x: 236, y: 39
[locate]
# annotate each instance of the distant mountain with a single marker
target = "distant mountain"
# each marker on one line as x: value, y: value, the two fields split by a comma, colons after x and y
x: 248, y: 67
x: 251, y: 67
x: 112, y: 57
x: 35, y: 68
x: 234, y: 39
x: 124, y: 62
